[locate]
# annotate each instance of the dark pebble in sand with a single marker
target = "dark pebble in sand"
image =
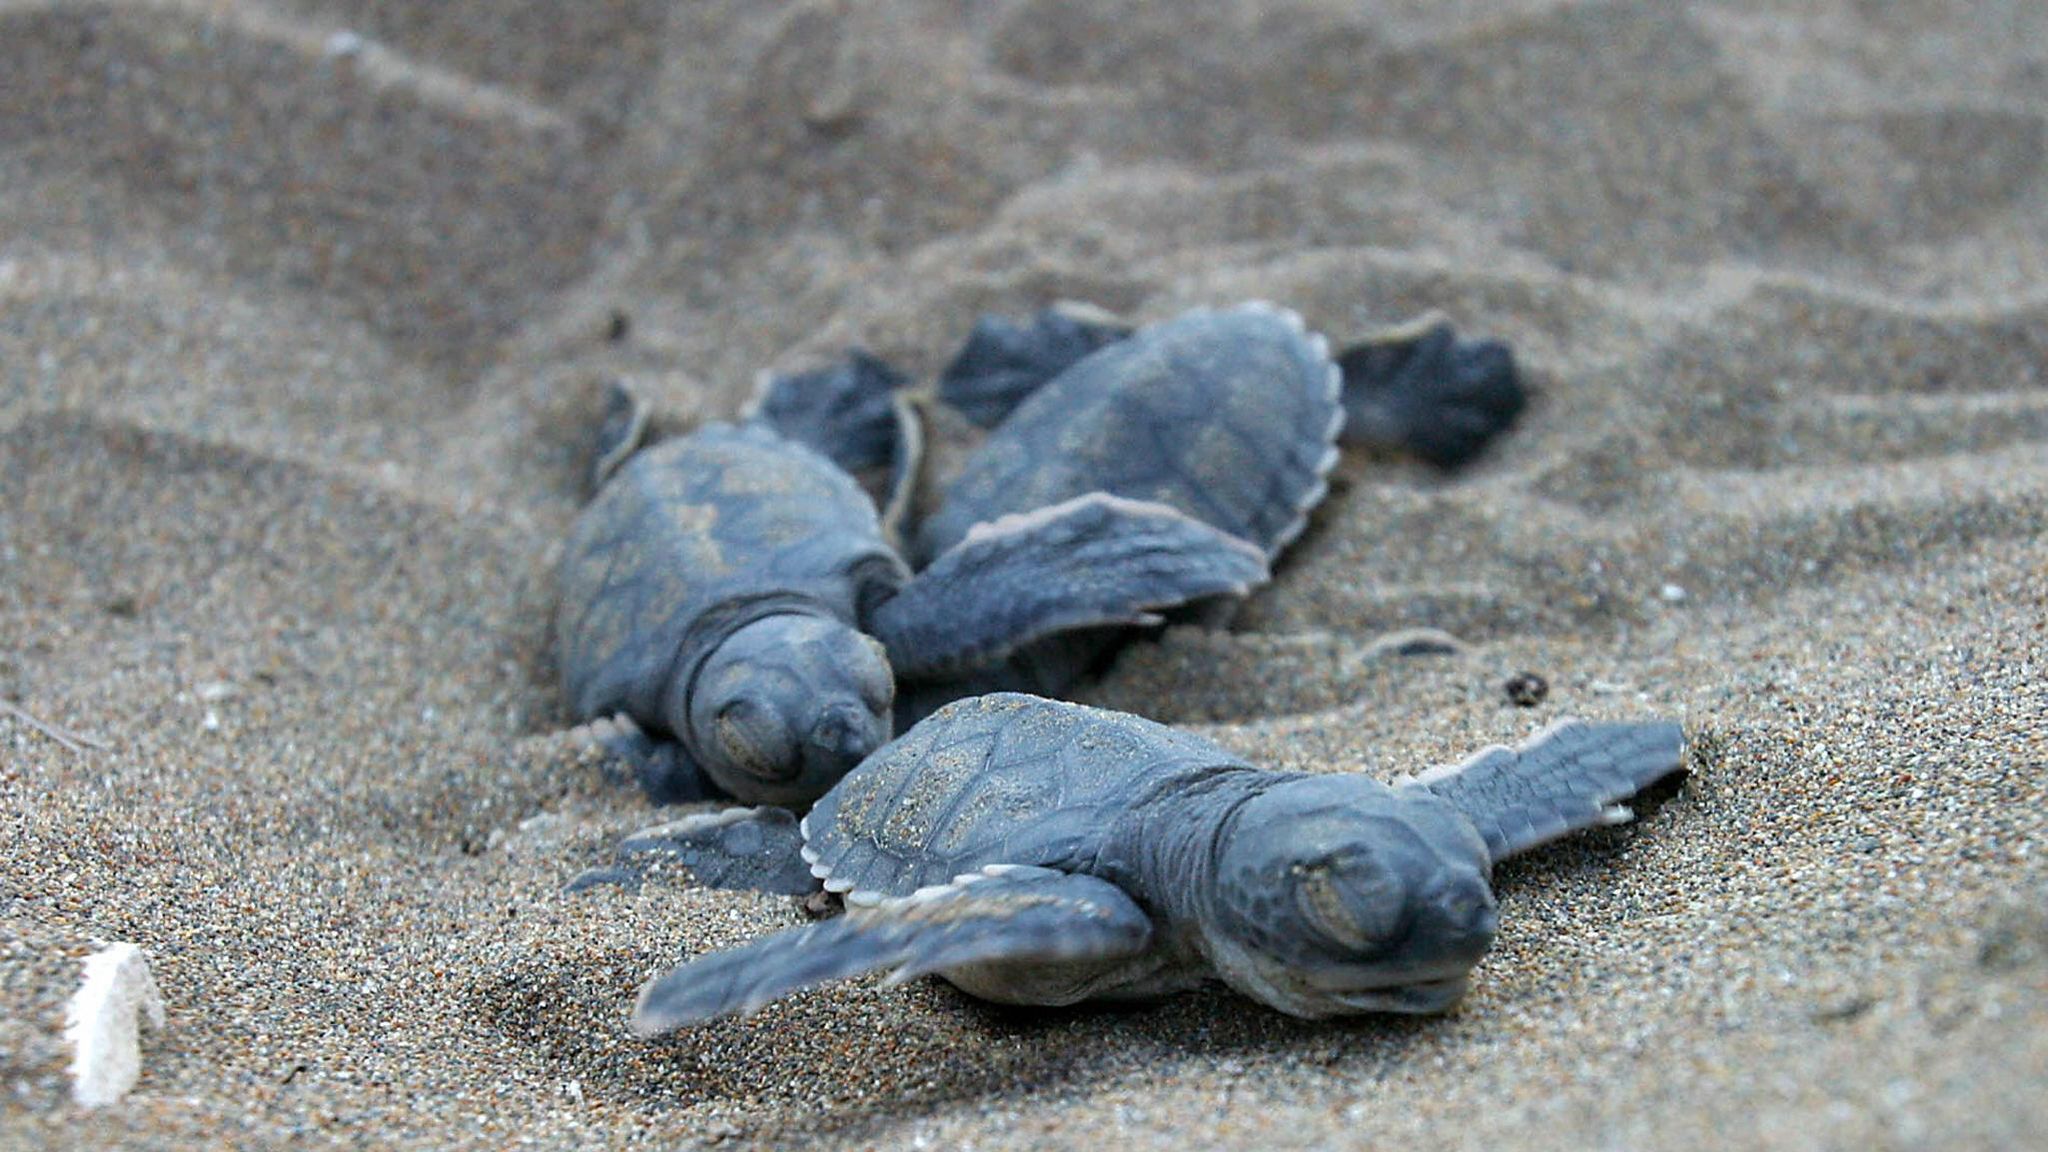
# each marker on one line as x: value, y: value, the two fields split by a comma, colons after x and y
x: 1526, y: 689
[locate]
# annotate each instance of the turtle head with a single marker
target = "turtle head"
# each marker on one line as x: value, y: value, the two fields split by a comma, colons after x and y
x: 1338, y: 895
x: 786, y: 706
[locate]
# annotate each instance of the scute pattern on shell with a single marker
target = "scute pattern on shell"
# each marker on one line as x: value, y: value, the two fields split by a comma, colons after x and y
x: 1002, y: 778
x: 1256, y: 389
x: 692, y: 524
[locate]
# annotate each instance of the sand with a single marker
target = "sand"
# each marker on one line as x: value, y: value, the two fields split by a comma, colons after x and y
x: 304, y: 307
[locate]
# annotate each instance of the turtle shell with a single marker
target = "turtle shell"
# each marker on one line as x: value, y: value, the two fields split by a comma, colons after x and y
x: 694, y: 538
x: 1230, y: 416
x: 998, y: 779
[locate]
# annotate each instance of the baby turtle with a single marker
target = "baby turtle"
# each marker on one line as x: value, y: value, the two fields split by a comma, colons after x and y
x: 1036, y: 852
x: 1232, y: 416
x: 1229, y: 416
x: 731, y: 592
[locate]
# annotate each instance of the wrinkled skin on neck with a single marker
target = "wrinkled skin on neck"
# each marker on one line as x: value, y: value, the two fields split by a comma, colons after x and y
x: 784, y: 707
x: 1336, y: 895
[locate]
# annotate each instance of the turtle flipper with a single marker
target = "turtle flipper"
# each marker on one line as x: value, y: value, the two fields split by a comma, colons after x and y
x: 845, y: 411
x: 662, y: 769
x: 1571, y: 775
x: 906, y: 463
x: 1000, y: 914
x: 619, y: 433
x: 747, y: 849
x: 1003, y: 362
x: 1091, y: 561
x: 1420, y: 387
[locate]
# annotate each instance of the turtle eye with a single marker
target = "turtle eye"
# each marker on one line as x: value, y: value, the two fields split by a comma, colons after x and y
x: 753, y: 740
x: 1349, y: 902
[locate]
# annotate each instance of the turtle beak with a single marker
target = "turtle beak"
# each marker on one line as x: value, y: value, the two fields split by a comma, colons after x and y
x: 1419, y: 998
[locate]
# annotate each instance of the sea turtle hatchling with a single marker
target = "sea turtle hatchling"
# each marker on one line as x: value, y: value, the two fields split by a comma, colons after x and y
x: 1231, y: 415
x: 1228, y: 415
x: 1037, y: 852
x: 731, y: 592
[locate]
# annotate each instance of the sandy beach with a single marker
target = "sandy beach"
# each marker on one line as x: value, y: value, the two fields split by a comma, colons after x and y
x: 305, y: 311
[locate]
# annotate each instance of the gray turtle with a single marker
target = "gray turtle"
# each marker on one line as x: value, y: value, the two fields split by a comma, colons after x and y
x: 1036, y: 852
x: 1231, y: 416
x: 732, y: 593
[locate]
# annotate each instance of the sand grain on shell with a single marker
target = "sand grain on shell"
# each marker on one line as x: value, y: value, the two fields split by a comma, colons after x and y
x: 299, y: 352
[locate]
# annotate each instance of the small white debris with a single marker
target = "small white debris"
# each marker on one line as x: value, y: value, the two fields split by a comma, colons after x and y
x: 211, y: 722
x: 344, y: 45
x: 103, y: 1020
x: 216, y: 690
x: 1672, y: 594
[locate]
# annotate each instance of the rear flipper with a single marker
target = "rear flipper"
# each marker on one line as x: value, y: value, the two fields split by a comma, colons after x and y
x: 845, y: 411
x: 1002, y: 914
x: 620, y: 433
x: 1091, y: 561
x: 858, y: 414
x: 1003, y: 362
x: 662, y: 769
x: 1569, y: 776
x: 1420, y: 388
x: 748, y: 849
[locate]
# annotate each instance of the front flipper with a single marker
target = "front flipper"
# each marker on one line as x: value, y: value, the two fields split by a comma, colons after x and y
x: 1004, y: 362
x: 1091, y: 561
x: 746, y: 849
x: 662, y: 769
x: 1569, y: 776
x: 1421, y: 388
x: 846, y: 411
x: 1002, y: 914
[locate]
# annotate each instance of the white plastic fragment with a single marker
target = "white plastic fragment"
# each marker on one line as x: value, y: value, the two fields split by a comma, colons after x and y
x: 102, y: 1021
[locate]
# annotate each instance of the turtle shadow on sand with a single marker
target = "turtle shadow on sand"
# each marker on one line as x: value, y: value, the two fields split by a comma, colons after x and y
x: 828, y: 1055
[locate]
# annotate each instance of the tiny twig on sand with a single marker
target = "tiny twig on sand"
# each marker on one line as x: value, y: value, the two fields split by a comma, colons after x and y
x: 73, y: 741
